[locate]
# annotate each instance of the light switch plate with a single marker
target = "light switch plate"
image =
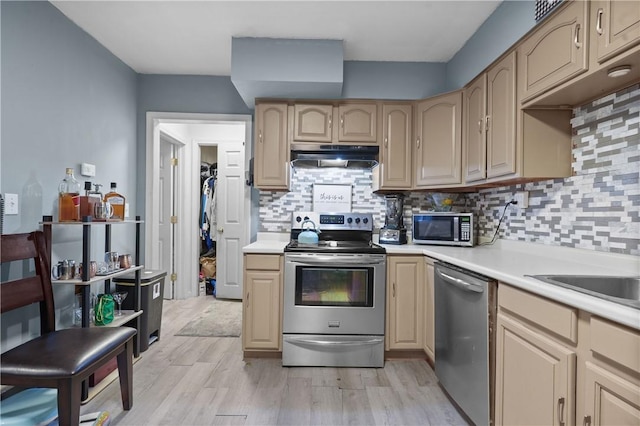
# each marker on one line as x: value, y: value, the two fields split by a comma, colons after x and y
x: 10, y: 204
x: 87, y: 169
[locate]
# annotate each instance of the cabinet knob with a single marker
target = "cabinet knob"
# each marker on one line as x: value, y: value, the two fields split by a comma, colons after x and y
x: 386, y: 141
x: 576, y: 38
x: 260, y: 136
x: 221, y: 230
x: 418, y: 143
x: 586, y: 421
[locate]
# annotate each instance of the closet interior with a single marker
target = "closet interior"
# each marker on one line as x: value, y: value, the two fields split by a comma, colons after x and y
x: 208, y: 178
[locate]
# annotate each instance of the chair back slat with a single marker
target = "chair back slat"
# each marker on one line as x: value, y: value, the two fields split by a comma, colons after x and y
x: 21, y: 292
x: 18, y: 247
x: 27, y: 290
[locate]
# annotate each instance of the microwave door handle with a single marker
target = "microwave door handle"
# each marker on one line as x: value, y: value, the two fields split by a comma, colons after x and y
x: 459, y: 283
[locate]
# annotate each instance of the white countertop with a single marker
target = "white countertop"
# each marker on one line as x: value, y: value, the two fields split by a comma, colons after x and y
x: 509, y: 261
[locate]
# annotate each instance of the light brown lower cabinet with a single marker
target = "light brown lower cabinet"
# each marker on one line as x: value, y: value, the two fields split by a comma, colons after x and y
x: 557, y: 365
x: 262, y: 308
x: 405, y: 301
x: 535, y: 377
x: 429, y: 311
x: 610, y: 375
x: 609, y: 399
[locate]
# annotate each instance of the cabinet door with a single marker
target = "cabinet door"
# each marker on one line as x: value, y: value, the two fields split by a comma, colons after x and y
x: 395, y: 156
x: 271, y: 151
x: 429, y: 312
x: 313, y: 123
x: 474, y: 134
x: 358, y: 123
x: 261, y: 311
x: 405, y: 289
x: 609, y: 399
x: 535, y: 377
x: 501, y: 117
x: 555, y: 52
x: 617, y: 26
x: 439, y: 141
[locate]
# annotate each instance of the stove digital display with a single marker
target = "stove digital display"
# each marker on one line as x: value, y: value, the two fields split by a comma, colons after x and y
x: 331, y: 219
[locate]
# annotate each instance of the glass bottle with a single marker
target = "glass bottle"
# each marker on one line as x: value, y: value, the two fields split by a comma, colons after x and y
x: 117, y: 202
x: 69, y: 198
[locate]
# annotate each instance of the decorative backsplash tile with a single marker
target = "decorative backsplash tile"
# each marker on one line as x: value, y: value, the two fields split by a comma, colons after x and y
x: 596, y: 209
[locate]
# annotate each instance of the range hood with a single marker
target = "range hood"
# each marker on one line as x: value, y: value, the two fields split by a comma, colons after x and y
x: 345, y: 156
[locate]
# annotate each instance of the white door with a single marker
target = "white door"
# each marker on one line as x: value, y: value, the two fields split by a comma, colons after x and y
x: 167, y: 210
x: 230, y: 220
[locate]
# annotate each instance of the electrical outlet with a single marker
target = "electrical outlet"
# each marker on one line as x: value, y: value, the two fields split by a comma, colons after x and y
x: 522, y: 197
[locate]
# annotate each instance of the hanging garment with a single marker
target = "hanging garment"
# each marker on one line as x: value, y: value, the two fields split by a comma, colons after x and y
x: 208, y: 218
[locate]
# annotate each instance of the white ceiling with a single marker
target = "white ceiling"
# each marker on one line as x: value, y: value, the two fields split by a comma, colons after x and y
x: 194, y: 37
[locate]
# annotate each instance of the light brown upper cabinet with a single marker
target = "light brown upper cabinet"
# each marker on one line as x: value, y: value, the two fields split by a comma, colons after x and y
x: 438, y: 146
x: 271, y: 161
x: 617, y: 26
x: 356, y: 123
x: 396, y: 168
x: 313, y: 123
x: 489, y: 142
x: 555, y: 52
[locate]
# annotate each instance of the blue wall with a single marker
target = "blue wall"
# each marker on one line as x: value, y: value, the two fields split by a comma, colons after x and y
x: 392, y: 80
x: 65, y: 100
x: 184, y: 94
x: 510, y: 21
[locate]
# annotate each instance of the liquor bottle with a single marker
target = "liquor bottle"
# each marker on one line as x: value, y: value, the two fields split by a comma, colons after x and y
x: 117, y: 202
x: 69, y: 198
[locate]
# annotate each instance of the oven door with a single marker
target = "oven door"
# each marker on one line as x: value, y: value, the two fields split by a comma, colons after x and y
x: 334, y: 293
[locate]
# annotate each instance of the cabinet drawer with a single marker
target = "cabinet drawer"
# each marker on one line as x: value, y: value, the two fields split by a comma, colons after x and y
x: 262, y: 262
x: 616, y: 342
x: 551, y: 316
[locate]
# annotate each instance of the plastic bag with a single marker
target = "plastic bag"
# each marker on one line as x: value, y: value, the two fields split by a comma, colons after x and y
x: 103, y: 311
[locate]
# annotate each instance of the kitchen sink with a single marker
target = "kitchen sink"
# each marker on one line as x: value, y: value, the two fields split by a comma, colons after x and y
x: 623, y: 290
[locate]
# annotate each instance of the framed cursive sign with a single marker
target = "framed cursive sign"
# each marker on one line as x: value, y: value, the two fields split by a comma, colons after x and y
x: 331, y: 198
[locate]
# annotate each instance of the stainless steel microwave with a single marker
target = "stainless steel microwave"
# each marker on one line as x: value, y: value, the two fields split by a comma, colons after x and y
x: 443, y: 228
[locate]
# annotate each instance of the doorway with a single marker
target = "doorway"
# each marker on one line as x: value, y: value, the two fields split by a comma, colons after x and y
x: 188, y: 133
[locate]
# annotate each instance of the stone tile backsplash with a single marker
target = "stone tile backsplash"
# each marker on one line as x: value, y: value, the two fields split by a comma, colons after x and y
x: 598, y: 208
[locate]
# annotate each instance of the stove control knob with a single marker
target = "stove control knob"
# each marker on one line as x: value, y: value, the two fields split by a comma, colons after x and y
x: 365, y: 220
x: 298, y: 219
x: 357, y: 220
x: 349, y: 220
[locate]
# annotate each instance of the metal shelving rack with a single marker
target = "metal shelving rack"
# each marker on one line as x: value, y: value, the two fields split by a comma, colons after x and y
x: 85, y: 280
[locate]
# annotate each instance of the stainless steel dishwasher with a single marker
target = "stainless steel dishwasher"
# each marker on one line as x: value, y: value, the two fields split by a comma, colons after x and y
x: 465, y: 307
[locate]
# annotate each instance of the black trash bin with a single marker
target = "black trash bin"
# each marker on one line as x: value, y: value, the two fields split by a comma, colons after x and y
x: 151, y: 296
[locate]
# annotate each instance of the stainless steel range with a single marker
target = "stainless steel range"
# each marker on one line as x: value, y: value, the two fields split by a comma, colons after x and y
x: 334, y: 293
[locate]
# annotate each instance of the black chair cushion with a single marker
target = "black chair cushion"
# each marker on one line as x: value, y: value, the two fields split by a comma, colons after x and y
x: 81, y: 347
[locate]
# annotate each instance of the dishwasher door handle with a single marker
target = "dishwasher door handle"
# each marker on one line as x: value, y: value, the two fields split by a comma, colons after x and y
x: 460, y: 283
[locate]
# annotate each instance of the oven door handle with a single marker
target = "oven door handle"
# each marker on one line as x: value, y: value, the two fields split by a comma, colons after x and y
x: 460, y: 283
x: 316, y: 342
x: 335, y: 260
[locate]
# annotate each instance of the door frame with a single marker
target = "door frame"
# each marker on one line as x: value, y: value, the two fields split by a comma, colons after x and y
x: 188, y: 197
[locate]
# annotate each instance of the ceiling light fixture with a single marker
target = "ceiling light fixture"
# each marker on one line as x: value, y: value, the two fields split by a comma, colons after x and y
x: 619, y: 71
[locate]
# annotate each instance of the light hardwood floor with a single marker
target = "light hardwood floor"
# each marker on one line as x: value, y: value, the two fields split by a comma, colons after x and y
x: 183, y: 380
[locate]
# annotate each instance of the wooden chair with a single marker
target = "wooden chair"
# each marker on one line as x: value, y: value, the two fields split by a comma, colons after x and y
x: 60, y: 359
